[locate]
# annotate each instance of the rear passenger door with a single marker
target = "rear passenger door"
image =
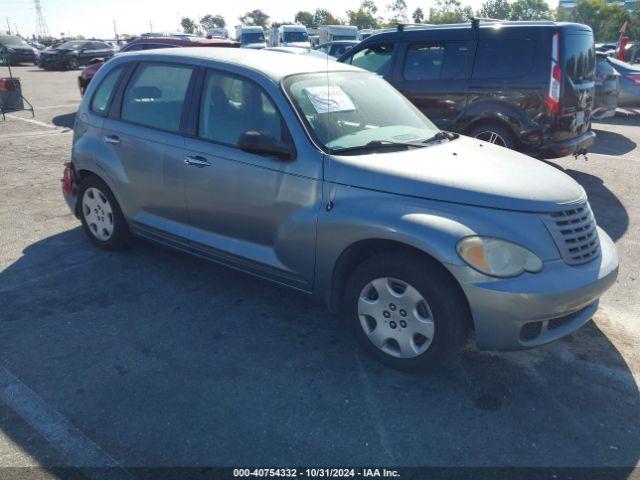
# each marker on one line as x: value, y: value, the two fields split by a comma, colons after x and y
x: 434, y: 75
x: 250, y: 211
x: 144, y: 140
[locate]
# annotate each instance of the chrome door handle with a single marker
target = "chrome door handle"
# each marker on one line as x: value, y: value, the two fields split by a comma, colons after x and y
x: 196, y: 161
x: 112, y: 139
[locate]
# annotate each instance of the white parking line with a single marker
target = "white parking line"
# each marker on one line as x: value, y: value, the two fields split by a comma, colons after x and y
x: 78, y: 451
x: 51, y: 107
x: 33, y: 121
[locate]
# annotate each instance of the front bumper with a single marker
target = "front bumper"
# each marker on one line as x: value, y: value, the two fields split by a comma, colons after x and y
x: 534, y: 309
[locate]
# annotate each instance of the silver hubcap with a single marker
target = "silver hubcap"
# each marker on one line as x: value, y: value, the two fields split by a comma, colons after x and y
x: 492, y: 137
x: 396, y: 317
x: 97, y: 213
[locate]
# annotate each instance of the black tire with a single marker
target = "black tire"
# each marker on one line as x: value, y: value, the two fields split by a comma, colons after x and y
x: 449, y: 308
x: 73, y: 64
x: 120, y: 237
x: 485, y: 131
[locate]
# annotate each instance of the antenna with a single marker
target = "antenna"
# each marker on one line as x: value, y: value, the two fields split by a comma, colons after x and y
x: 42, y: 31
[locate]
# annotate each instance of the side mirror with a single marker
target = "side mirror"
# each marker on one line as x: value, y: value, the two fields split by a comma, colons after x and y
x: 263, y: 143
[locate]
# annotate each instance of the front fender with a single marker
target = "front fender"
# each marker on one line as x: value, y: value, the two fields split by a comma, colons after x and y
x: 430, y: 226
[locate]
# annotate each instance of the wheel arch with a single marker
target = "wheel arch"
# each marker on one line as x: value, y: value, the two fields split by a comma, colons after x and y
x: 361, y: 250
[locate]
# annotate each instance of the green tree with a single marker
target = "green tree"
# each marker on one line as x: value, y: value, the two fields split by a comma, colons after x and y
x: 188, y: 25
x: 530, y: 10
x: 212, y: 21
x: 418, y: 15
x: 255, y: 17
x: 562, y: 15
x: 361, y: 19
x: 305, y: 18
x: 499, y: 9
x: 364, y: 16
x: 369, y: 6
x: 324, y: 17
x: 449, y: 11
x: 398, y: 9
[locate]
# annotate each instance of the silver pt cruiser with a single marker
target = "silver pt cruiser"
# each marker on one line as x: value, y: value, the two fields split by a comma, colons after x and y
x: 323, y: 178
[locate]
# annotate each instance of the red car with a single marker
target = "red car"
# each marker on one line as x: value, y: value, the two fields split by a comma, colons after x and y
x: 152, y: 43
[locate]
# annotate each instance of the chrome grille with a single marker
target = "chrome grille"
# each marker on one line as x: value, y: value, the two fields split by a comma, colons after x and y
x: 574, y: 232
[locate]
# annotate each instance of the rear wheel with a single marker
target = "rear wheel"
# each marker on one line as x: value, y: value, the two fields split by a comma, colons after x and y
x: 406, y: 311
x: 496, y: 134
x: 102, y: 219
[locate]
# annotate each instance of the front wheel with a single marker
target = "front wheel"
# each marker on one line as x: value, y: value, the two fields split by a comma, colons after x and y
x: 407, y: 311
x: 73, y: 64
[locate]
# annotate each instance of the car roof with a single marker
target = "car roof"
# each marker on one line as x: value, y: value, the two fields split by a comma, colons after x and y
x: 414, y: 30
x: 183, y: 41
x: 340, y: 42
x: 271, y: 64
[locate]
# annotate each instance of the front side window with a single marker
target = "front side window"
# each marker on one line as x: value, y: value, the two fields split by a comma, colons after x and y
x: 376, y: 59
x: 356, y: 109
x: 232, y: 105
x: 155, y: 96
x: 106, y: 90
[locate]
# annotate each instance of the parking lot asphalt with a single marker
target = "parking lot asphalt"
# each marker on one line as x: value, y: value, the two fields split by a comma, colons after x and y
x: 152, y: 358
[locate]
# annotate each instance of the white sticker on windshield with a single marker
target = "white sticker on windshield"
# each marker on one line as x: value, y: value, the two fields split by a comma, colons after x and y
x: 329, y: 99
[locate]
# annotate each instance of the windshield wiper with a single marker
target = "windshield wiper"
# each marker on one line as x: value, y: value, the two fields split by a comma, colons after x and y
x: 441, y: 135
x: 375, y: 145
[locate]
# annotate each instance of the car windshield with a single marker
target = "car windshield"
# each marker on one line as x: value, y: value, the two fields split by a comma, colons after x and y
x: 348, y: 110
x: 11, y: 41
x: 253, y: 37
x: 71, y: 45
x: 296, y: 36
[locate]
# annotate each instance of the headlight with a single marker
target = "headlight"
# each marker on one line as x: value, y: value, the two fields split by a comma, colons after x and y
x: 10, y: 50
x: 496, y: 257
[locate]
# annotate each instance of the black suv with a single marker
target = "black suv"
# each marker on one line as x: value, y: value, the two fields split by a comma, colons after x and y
x: 523, y: 85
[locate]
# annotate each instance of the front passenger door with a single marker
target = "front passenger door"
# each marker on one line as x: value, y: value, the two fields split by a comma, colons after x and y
x: 250, y: 211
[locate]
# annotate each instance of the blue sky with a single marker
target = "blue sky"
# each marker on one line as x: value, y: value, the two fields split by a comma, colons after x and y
x: 95, y: 18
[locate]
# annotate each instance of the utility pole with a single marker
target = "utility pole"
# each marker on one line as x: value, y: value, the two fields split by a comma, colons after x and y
x: 8, y: 26
x: 42, y: 31
x: 150, y: 27
x: 115, y: 29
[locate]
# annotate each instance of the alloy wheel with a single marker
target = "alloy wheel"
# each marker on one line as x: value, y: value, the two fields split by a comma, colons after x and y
x: 98, y: 214
x: 492, y: 137
x: 396, y: 317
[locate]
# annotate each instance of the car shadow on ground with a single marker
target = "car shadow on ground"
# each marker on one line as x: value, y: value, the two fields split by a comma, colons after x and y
x: 67, y: 120
x: 611, y: 143
x: 163, y: 359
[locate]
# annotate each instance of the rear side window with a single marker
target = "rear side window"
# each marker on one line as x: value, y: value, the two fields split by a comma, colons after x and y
x: 580, y: 57
x: 504, y: 58
x: 104, y: 93
x: 424, y: 62
x: 155, y: 96
x: 232, y: 106
x: 431, y: 61
x: 376, y: 59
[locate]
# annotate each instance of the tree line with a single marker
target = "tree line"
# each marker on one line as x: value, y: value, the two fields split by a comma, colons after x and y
x: 604, y: 18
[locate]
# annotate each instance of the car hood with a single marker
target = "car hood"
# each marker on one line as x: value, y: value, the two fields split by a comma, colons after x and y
x: 464, y: 170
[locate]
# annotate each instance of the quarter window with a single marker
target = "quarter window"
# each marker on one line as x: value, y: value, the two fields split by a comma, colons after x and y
x: 232, y: 106
x: 100, y: 100
x: 376, y: 59
x: 155, y: 96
